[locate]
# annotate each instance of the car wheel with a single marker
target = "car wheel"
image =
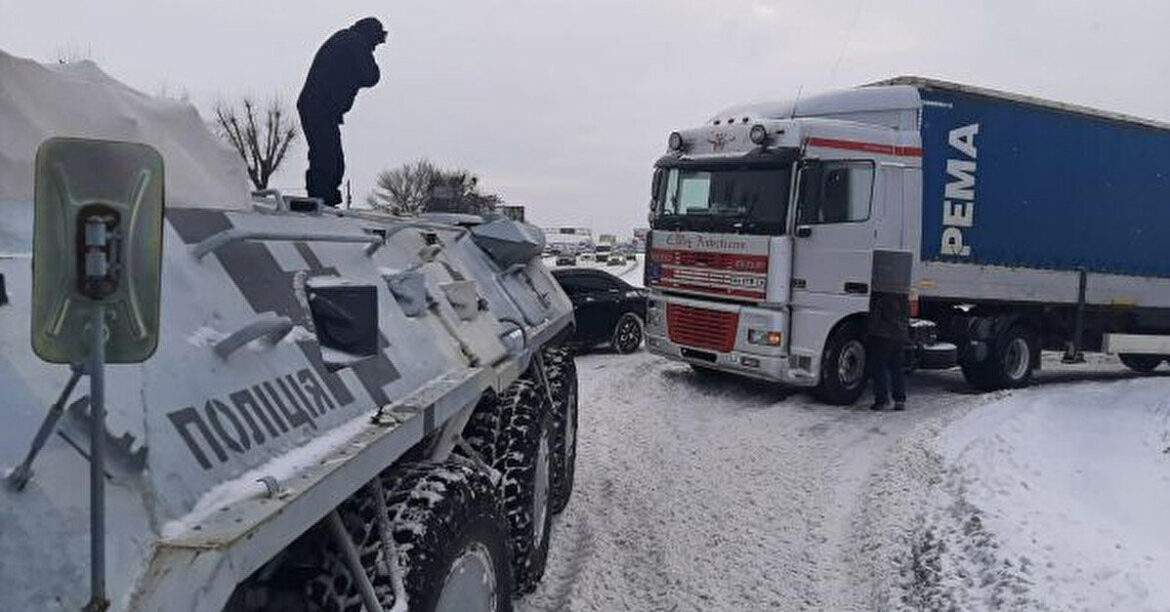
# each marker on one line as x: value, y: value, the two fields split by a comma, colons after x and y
x: 627, y: 334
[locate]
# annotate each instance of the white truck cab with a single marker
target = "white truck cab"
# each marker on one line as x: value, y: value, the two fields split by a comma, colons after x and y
x: 765, y: 224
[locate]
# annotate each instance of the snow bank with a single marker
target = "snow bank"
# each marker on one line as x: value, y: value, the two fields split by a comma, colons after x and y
x: 42, y: 100
x: 1058, y: 497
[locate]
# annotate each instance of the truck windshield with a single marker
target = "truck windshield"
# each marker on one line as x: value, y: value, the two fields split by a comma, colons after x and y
x: 746, y: 200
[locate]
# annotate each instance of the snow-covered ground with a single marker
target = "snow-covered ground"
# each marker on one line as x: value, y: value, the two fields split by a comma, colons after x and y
x: 723, y: 494
x: 1067, y: 490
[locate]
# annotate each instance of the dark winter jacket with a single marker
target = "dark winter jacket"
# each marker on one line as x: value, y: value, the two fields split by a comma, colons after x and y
x: 342, y: 66
x: 889, y: 316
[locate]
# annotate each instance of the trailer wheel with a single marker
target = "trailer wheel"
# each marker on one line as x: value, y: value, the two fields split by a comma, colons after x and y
x: 512, y: 434
x: 1141, y: 363
x: 1010, y: 364
x: 450, y: 536
x: 843, y: 367
x: 561, y: 371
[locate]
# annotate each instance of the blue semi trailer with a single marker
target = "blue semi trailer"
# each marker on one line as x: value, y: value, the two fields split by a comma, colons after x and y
x: 1014, y: 224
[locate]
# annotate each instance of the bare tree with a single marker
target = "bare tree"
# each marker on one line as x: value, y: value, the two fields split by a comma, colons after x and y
x: 420, y: 186
x: 261, y: 142
x: 404, y: 190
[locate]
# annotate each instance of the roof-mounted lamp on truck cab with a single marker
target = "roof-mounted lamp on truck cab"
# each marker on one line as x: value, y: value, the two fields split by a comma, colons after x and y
x: 676, y: 143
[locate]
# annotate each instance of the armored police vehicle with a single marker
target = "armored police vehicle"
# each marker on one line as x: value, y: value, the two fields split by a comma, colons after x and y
x: 271, y: 405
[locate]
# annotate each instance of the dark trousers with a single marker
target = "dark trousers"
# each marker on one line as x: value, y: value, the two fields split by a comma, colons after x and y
x: 886, y: 359
x: 326, y: 161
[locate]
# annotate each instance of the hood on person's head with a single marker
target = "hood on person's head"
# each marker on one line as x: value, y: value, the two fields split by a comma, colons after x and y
x: 371, y: 30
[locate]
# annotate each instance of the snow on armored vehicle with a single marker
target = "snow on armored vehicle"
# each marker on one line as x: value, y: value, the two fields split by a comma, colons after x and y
x: 345, y: 410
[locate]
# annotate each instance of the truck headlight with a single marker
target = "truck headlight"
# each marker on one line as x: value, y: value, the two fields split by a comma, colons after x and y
x: 765, y: 337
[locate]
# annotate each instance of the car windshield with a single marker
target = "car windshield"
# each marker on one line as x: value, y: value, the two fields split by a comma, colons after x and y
x: 743, y: 199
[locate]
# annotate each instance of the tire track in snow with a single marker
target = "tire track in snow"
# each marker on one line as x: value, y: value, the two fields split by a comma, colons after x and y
x: 715, y: 493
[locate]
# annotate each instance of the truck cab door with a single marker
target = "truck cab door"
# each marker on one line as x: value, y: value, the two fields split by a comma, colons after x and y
x: 834, y: 229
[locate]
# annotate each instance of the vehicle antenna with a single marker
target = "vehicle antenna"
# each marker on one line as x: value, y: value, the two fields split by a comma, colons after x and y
x: 845, y: 45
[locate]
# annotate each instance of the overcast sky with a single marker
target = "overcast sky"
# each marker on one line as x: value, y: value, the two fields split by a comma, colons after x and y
x: 563, y: 106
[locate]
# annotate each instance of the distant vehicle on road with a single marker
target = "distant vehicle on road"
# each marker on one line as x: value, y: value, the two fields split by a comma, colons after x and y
x: 615, y: 259
x: 566, y: 259
x: 631, y: 256
x: 608, y: 309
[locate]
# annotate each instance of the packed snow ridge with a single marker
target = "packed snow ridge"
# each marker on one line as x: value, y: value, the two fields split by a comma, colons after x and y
x: 39, y: 101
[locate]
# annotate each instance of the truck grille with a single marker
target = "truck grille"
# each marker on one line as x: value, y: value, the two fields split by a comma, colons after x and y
x: 709, y: 329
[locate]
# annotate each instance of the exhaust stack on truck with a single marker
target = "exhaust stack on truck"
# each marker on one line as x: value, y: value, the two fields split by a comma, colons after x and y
x: 1026, y: 225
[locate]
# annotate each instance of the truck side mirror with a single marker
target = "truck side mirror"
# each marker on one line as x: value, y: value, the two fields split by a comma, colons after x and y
x: 655, y: 193
x: 97, y: 244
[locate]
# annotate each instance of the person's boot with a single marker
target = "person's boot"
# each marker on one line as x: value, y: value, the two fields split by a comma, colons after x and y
x: 900, y: 405
x: 877, y: 405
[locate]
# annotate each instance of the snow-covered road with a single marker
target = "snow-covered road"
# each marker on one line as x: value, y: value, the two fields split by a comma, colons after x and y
x: 724, y: 494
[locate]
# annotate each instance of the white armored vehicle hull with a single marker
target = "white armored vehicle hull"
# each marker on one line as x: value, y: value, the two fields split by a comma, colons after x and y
x: 230, y: 449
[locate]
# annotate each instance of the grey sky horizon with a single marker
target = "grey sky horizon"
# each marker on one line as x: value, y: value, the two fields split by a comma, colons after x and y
x: 563, y: 106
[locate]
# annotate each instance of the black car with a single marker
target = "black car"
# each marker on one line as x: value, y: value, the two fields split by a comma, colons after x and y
x: 608, y: 309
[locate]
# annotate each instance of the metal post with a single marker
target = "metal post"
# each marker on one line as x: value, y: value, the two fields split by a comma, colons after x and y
x: 1073, y: 353
x: 354, y: 562
x: 23, y: 472
x: 389, y: 550
x: 97, y: 480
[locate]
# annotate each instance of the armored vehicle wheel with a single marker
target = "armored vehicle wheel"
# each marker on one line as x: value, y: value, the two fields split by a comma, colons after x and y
x: 843, y: 367
x: 512, y: 433
x: 1141, y: 363
x: 627, y: 334
x: 449, y: 532
x: 561, y: 371
x: 1010, y: 364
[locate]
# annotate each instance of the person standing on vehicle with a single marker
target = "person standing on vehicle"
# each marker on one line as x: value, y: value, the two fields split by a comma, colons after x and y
x: 888, y: 330
x: 343, y: 65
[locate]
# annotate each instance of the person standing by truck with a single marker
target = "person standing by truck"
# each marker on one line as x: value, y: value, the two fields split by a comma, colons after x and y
x: 343, y: 65
x: 888, y: 331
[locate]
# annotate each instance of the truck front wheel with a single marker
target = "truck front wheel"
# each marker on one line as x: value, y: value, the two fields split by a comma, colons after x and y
x: 843, y: 366
x: 1141, y: 363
